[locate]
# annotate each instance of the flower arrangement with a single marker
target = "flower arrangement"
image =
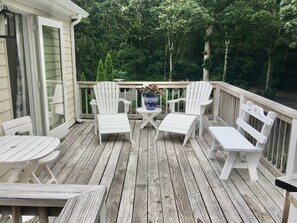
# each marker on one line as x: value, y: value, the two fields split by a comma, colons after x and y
x: 151, y: 90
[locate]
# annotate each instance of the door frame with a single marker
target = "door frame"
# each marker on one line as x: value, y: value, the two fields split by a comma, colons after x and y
x: 62, y: 129
x: 32, y: 68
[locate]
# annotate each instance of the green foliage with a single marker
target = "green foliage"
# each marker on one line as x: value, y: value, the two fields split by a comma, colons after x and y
x: 108, y: 68
x: 288, y: 14
x: 83, y: 93
x: 82, y: 77
x: 269, y: 93
x: 207, y: 63
x: 140, y: 35
x: 100, y: 72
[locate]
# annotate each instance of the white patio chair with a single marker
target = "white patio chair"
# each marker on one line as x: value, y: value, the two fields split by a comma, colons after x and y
x: 197, y: 98
x: 234, y: 141
x: 57, y: 101
x: 108, y: 120
x: 24, y: 125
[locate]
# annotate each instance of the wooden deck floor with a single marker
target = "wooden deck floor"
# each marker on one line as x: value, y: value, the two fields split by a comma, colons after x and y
x: 164, y: 181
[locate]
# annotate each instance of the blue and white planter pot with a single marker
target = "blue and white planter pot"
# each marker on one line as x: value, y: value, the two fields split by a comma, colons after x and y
x: 150, y: 102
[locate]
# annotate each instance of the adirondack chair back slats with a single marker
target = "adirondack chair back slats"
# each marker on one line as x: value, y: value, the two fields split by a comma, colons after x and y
x: 196, y: 93
x: 197, y: 98
x: 107, y: 97
x: 108, y: 120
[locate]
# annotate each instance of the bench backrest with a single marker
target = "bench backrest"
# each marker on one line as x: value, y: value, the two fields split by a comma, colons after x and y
x: 249, y: 109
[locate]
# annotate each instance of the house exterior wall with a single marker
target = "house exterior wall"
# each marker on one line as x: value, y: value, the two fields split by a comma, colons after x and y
x: 6, y: 111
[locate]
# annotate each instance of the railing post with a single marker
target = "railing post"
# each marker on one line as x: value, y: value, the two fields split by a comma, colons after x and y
x: 216, y: 103
x: 292, y: 153
x: 241, y: 101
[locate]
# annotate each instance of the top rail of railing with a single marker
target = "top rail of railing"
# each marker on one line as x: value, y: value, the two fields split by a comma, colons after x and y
x: 70, y: 203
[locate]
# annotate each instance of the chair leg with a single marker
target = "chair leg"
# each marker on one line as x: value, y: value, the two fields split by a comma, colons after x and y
x: 190, y: 132
x: 34, y: 178
x: 200, y: 125
x: 131, y: 140
x: 156, y: 137
x: 252, y: 162
x: 100, y: 140
x: 50, y: 175
x: 228, y: 165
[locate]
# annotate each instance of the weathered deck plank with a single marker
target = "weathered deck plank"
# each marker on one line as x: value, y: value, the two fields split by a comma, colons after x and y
x: 163, y: 181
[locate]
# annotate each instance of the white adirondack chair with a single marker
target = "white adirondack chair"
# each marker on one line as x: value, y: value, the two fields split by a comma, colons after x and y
x: 57, y: 102
x: 234, y: 141
x: 23, y: 125
x: 108, y: 120
x: 197, y: 98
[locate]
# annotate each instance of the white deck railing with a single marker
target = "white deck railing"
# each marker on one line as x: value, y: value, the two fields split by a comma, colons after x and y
x: 279, y: 156
x: 69, y: 203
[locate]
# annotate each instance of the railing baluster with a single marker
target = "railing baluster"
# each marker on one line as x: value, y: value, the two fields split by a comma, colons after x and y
x: 178, y: 97
x: 166, y: 106
x: 284, y: 151
x: 292, y: 156
x: 42, y: 215
x: 16, y: 215
x: 86, y: 101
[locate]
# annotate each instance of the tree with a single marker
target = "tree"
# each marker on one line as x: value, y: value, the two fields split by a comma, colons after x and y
x: 101, y: 76
x: 108, y: 68
x: 214, y: 8
x: 176, y: 20
x: 288, y: 14
x: 83, y: 77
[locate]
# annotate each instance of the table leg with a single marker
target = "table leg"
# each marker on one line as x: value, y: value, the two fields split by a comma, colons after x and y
x: 148, y: 119
x: 286, y: 208
x: 14, y: 175
x: 26, y: 174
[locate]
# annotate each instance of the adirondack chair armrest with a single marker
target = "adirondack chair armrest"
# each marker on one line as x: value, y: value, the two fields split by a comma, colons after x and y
x: 93, y: 104
x: 126, y: 104
x: 203, y: 105
x: 172, y: 103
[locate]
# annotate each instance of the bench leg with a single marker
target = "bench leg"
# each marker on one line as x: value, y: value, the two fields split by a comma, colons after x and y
x: 228, y: 165
x: 286, y: 208
x: 252, y: 162
x: 213, y: 149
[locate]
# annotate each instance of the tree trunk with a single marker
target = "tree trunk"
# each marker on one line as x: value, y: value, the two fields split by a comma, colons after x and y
x: 170, y: 65
x: 268, y: 74
x: 206, y: 56
x: 165, y: 61
x: 170, y: 61
x: 227, y: 44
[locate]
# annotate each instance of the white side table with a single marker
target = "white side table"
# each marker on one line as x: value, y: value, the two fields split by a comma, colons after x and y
x: 148, y: 116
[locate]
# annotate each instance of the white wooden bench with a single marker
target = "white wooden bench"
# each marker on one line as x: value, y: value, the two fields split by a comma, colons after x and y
x: 234, y: 142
